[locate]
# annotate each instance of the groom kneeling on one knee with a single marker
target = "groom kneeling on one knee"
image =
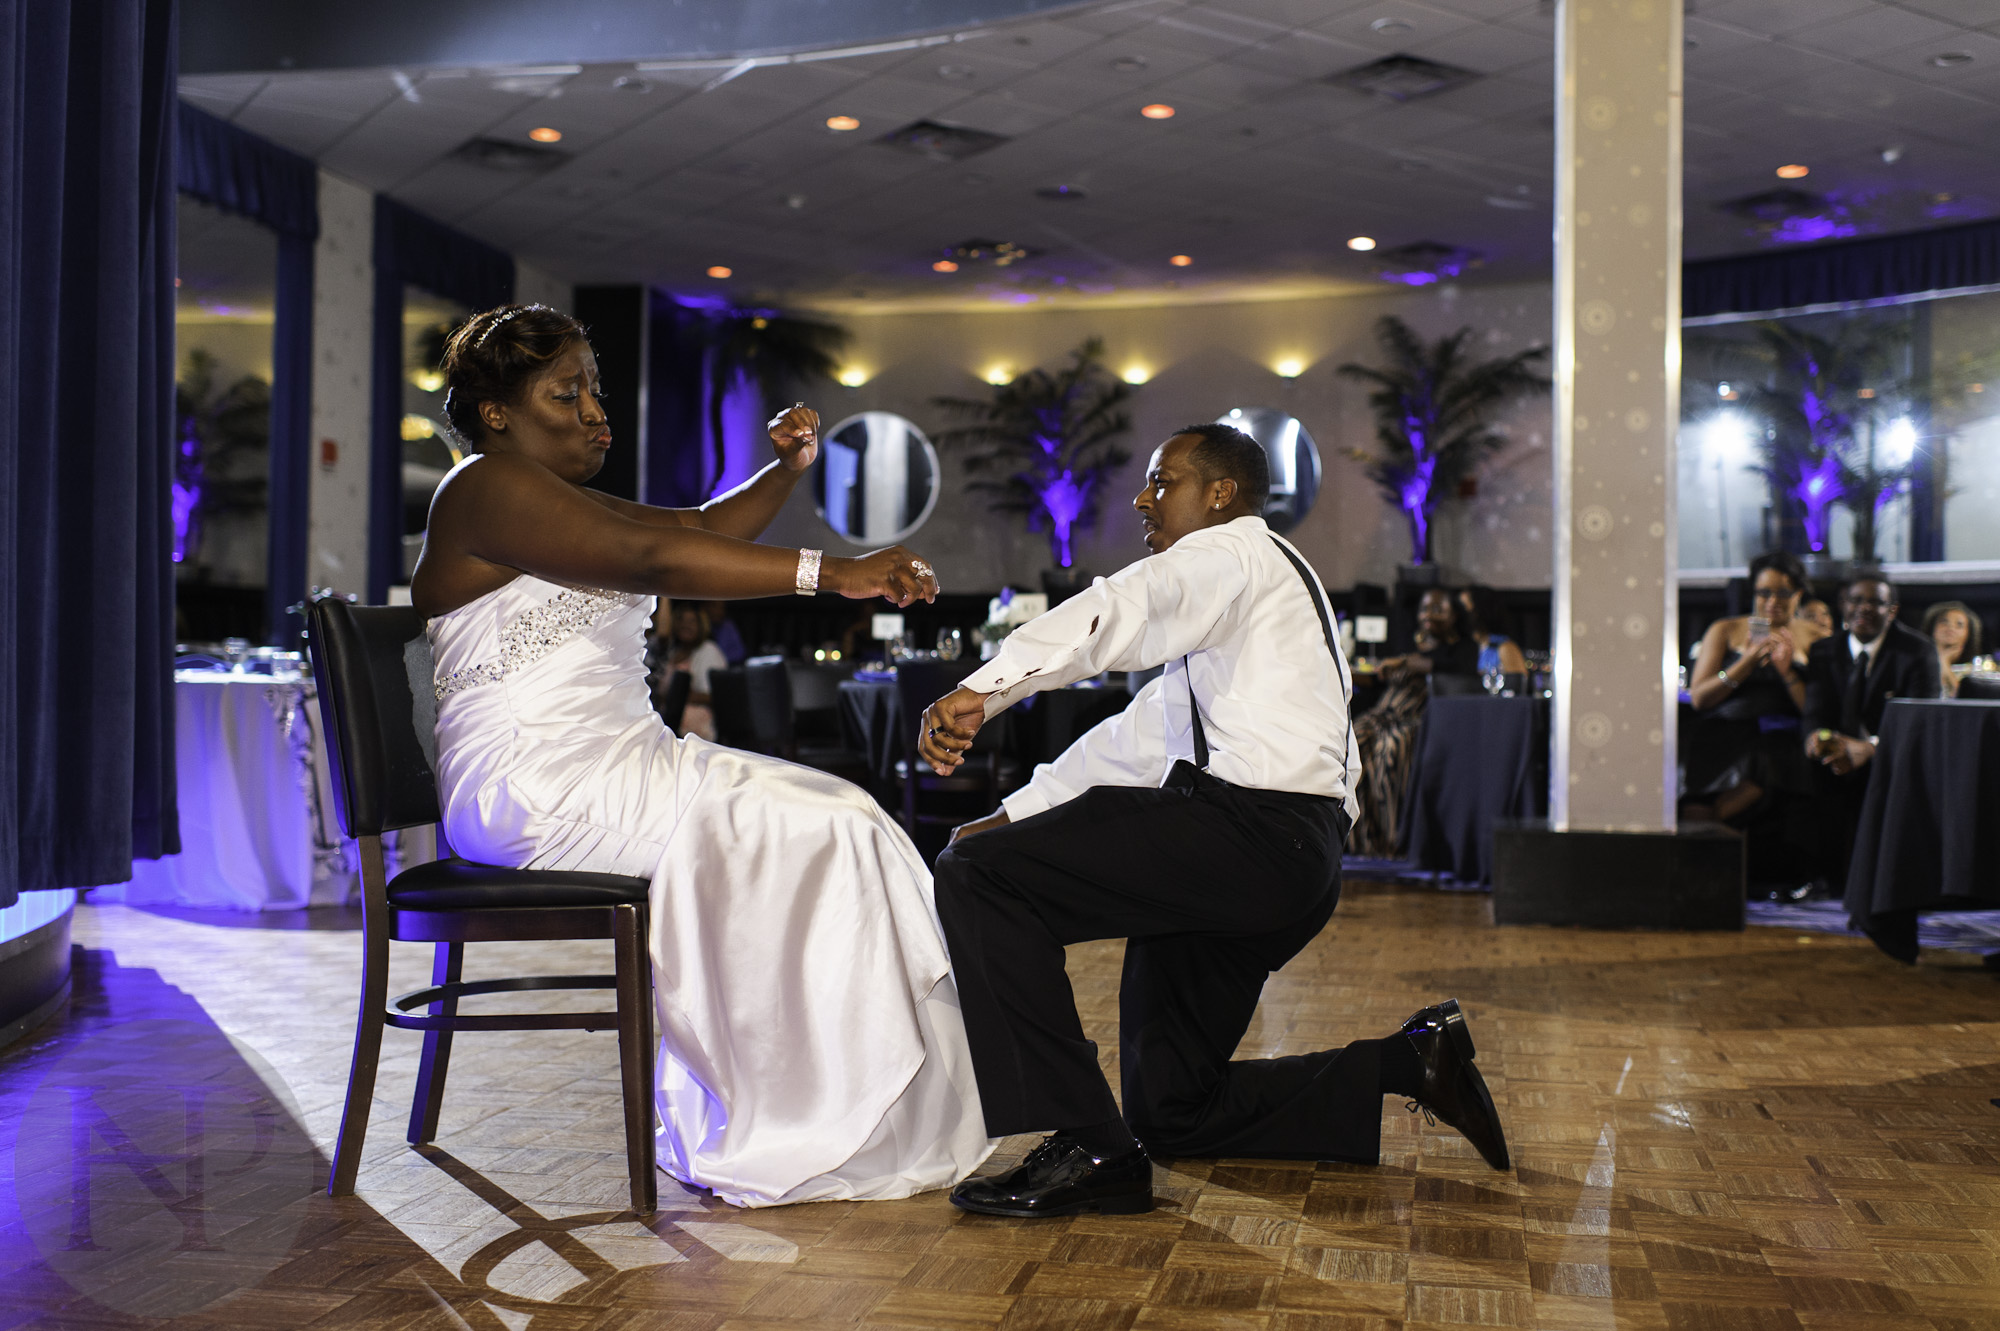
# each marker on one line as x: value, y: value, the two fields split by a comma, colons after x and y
x: 1204, y: 825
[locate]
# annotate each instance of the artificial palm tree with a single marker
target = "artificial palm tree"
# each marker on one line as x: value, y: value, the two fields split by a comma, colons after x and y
x: 1433, y: 409
x: 777, y: 352
x: 1821, y: 401
x: 1051, y: 437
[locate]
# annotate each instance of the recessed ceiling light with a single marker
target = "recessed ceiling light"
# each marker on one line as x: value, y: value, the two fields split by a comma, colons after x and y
x: 1392, y: 25
x: 1794, y: 171
x: 1893, y: 153
x: 543, y: 134
x: 1181, y: 260
x: 720, y: 271
x: 1946, y: 59
x: 1129, y: 64
x: 1157, y: 111
x: 957, y: 73
x: 632, y: 83
x: 1361, y: 243
x: 841, y: 124
x: 1060, y: 193
x: 944, y: 266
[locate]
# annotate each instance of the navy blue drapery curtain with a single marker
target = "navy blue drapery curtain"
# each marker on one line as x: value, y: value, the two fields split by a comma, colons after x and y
x: 412, y: 248
x: 676, y: 466
x: 86, y: 439
x: 1878, y: 268
x: 255, y: 178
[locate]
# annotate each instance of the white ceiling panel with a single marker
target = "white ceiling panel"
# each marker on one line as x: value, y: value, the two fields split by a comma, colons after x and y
x: 1265, y: 168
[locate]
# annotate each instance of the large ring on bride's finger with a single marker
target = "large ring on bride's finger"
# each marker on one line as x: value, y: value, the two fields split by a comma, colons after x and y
x: 923, y: 570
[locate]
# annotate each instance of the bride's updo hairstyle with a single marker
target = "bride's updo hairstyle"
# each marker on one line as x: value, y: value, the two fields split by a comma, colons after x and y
x: 495, y: 355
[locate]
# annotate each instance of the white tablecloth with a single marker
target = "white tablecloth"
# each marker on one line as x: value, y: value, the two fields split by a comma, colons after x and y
x: 258, y: 829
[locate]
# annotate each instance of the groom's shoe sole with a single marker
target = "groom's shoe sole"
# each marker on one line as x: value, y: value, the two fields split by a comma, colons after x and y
x: 1131, y: 1205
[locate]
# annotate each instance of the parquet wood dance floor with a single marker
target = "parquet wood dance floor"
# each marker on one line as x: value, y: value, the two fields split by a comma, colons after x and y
x: 1766, y: 1130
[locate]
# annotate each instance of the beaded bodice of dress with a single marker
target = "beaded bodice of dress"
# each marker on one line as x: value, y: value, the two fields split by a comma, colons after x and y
x: 514, y: 627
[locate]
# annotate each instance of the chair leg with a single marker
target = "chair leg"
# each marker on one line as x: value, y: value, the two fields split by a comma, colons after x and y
x: 447, y: 968
x: 635, y: 1051
x: 368, y: 1023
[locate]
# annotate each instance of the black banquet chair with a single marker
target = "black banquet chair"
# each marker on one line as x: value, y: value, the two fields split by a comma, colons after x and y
x: 373, y: 668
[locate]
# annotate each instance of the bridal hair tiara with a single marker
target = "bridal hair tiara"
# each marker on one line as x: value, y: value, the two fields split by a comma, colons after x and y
x: 480, y: 341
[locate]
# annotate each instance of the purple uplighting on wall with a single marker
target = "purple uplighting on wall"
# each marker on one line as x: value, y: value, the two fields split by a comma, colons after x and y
x: 1800, y: 230
x: 186, y: 491
x: 1415, y: 498
x: 1064, y: 499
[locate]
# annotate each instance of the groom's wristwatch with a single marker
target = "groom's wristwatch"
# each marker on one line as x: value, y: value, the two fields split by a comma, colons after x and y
x: 806, y: 581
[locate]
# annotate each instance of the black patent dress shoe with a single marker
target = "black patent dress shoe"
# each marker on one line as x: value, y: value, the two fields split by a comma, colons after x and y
x: 1060, y: 1177
x: 1453, y: 1090
x: 1893, y: 932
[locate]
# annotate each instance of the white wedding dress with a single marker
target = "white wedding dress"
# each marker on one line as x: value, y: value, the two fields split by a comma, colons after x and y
x: 811, y: 1046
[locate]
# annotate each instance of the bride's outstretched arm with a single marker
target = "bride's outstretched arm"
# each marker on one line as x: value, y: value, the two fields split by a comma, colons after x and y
x: 512, y: 512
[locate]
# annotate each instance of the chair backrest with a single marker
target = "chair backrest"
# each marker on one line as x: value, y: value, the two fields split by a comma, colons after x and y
x: 729, y: 700
x: 772, y: 720
x: 674, y: 701
x: 919, y: 684
x: 372, y: 667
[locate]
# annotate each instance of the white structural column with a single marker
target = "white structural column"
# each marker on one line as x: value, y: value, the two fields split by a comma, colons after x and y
x: 1617, y: 411
x: 343, y: 324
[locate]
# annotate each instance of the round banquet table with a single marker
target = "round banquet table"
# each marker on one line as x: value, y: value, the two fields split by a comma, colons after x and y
x: 1476, y: 765
x: 1929, y: 835
x: 257, y: 822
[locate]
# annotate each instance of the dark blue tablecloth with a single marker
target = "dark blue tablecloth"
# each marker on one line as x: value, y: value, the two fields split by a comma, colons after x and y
x: 1034, y: 730
x: 1929, y: 836
x: 1475, y: 766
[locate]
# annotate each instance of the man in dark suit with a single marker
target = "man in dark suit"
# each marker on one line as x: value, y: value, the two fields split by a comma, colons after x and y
x: 1850, y: 677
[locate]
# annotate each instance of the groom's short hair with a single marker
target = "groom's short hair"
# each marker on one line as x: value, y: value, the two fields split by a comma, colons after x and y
x: 1224, y: 450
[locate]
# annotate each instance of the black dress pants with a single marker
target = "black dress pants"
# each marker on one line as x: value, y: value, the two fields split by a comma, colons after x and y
x: 1214, y: 886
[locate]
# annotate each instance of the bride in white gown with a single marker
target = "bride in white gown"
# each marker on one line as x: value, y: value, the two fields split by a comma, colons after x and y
x: 811, y: 1044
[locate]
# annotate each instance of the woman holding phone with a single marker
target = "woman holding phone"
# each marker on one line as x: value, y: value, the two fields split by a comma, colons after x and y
x: 1750, y: 675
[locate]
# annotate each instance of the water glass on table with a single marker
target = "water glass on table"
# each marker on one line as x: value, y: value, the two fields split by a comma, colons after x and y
x: 1492, y: 681
x: 950, y: 642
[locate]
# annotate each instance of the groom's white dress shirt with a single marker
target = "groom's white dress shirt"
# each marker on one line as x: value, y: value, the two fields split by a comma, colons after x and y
x: 1226, y: 600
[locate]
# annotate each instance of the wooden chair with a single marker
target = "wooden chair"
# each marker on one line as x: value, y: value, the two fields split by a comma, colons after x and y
x: 373, y: 669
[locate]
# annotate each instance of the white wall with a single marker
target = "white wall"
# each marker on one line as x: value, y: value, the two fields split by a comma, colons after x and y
x: 1204, y: 360
x: 343, y: 305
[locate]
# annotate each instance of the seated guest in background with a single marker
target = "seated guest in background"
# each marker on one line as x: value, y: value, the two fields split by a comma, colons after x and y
x: 1482, y: 615
x: 1203, y: 824
x: 1954, y: 630
x: 1817, y: 613
x: 1387, y: 734
x: 723, y: 631
x: 1851, y: 679
x: 692, y: 649
x: 1750, y: 671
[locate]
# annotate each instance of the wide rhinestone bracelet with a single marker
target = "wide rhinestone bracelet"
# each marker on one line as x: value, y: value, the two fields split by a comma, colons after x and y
x: 806, y: 581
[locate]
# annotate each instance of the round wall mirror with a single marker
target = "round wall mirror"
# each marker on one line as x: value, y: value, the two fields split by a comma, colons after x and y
x: 877, y: 478
x: 1294, y: 461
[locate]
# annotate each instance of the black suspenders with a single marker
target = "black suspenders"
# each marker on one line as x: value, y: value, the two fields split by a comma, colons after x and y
x: 1326, y: 627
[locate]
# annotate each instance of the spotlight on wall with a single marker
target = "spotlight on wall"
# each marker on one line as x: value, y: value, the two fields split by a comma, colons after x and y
x: 842, y: 124
x: 1794, y: 171
x: 719, y: 271
x: 853, y: 376
x: 1291, y: 367
x: 543, y: 134
x: 428, y: 380
x: 1361, y: 243
x: 1157, y: 111
x: 1135, y: 374
x: 998, y: 374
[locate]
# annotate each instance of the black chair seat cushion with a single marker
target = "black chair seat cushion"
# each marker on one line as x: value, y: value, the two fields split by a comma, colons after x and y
x: 457, y: 884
